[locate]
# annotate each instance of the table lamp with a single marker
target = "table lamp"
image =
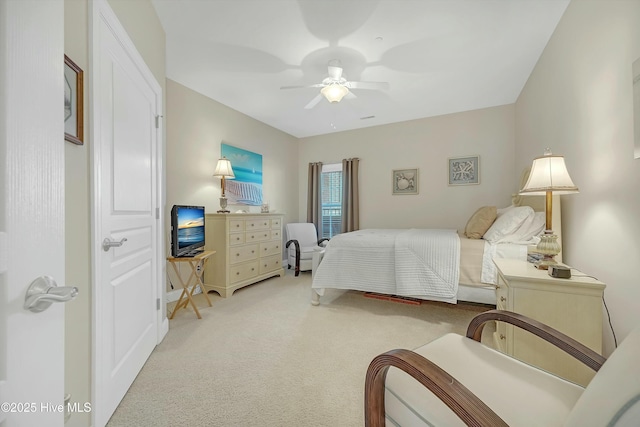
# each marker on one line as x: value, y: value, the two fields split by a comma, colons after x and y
x: 223, y: 171
x: 548, y: 175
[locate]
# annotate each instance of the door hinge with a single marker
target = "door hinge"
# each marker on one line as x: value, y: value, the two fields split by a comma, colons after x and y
x: 157, y: 303
x: 157, y: 213
x: 158, y: 121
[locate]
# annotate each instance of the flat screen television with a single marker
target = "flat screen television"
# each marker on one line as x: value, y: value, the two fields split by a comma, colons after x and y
x: 187, y: 230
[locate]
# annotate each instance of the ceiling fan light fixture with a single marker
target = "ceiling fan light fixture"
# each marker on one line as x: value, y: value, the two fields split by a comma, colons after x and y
x: 334, y: 92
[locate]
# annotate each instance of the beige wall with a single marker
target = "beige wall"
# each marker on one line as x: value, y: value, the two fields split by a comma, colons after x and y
x: 578, y: 101
x: 143, y: 26
x: 425, y: 144
x: 77, y: 231
x: 196, y: 126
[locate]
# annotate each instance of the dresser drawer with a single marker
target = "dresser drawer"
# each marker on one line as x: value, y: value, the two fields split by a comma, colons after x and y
x: 276, y: 223
x: 244, y: 271
x: 236, y: 225
x: 236, y: 239
x: 251, y: 224
x: 276, y: 234
x: 273, y: 247
x: 242, y: 253
x: 270, y: 263
x: 257, y: 236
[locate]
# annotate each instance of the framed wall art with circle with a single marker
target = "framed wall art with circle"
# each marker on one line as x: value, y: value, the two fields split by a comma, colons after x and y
x: 405, y: 181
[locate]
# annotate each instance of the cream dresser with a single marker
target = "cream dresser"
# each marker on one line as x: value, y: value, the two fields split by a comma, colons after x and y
x: 572, y: 306
x: 248, y: 249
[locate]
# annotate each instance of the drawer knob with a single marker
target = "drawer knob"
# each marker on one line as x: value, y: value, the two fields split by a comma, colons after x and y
x: 502, y: 337
x: 252, y: 269
x: 237, y: 273
x: 253, y: 252
x: 237, y: 254
x: 265, y: 249
x: 277, y: 247
x: 503, y: 299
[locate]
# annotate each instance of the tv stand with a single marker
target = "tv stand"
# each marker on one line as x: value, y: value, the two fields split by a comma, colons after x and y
x: 198, y: 260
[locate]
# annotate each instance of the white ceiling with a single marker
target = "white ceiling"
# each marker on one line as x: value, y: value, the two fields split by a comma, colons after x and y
x: 439, y: 56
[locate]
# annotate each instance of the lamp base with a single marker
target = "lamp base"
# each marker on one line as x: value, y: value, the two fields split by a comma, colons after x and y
x: 549, y: 248
x: 223, y: 205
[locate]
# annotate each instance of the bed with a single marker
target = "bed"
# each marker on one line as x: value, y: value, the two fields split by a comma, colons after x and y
x: 432, y: 264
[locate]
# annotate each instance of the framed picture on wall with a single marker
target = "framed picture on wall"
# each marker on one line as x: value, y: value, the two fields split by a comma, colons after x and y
x: 405, y: 181
x: 73, y: 102
x: 464, y: 170
x: 246, y: 187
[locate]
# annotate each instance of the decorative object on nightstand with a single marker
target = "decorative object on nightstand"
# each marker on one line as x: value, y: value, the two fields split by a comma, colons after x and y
x: 223, y: 171
x: 548, y: 175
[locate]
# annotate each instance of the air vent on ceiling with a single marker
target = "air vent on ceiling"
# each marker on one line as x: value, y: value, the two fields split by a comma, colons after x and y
x: 367, y: 117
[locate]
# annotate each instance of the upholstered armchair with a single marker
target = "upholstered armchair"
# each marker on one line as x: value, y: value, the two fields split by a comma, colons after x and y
x: 457, y: 380
x: 302, y: 242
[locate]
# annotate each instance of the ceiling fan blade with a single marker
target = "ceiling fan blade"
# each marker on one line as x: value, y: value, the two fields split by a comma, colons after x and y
x: 367, y: 85
x: 313, y: 102
x: 301, y: 87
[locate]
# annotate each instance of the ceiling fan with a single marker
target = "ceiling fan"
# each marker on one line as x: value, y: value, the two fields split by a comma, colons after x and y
x: 335, y: 86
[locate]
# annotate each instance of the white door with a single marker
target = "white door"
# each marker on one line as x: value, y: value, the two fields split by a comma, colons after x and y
x: 126, y: 200
x: 31, y: 210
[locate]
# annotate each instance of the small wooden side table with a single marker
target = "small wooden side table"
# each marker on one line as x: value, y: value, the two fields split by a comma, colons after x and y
x: 192, y: 282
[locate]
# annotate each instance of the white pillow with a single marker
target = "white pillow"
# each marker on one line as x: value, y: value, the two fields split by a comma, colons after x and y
x: 531, y: 227
x: 507, y: 223
x: 504, y: 210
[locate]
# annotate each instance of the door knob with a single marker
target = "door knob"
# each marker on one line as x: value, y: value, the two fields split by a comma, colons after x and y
x: 107, y: 243
x: 44, y: 291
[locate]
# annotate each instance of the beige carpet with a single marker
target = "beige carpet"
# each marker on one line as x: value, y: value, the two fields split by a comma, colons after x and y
x: 267, y: 357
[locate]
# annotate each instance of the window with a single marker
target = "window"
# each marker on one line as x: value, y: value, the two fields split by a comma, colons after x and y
x: 331, y: 191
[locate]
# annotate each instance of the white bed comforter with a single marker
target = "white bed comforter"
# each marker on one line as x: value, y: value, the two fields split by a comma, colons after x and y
x: 415, y: 262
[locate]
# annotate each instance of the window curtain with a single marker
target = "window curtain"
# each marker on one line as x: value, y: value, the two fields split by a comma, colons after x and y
x: 350, y: 195
x: 314, y: 195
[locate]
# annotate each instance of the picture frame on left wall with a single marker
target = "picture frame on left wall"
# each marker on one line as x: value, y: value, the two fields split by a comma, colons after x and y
x: 73, y: 102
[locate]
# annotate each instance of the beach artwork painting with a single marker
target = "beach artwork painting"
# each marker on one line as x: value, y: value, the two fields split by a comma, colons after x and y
x: 246, y: 187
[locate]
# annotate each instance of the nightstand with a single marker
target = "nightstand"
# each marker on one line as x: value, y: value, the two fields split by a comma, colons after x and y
x: 572, y: 306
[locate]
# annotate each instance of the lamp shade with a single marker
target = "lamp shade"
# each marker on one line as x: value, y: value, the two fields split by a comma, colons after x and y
x: 549, y: 173
x: 223, y: 169
x: 334, y: 92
